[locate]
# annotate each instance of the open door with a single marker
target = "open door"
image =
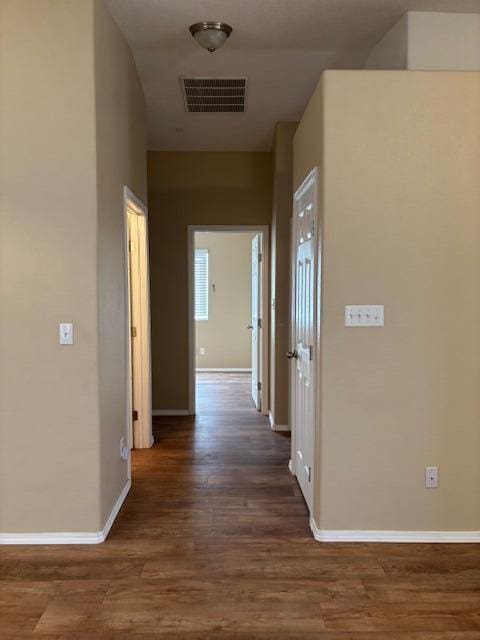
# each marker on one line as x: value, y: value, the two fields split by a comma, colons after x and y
x: 140, y: 402
x: 303, y: 353
x: 256, y: 323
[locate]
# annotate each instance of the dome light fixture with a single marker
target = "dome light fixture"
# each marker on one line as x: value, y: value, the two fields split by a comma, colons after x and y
x: 210, y: 35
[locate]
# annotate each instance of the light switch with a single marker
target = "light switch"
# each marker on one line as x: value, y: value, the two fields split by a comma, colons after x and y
x: 431, y: 477
x: 364, y: 315
x: 65, y: 333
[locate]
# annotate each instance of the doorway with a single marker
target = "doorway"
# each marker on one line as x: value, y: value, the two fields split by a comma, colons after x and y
x: 228, y: 310
x: 139, y: 395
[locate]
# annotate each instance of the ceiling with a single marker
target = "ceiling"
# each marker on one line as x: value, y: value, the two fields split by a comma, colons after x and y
x: 281, y: 45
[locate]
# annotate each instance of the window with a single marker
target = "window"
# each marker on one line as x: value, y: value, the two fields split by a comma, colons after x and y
x: 201, y: 284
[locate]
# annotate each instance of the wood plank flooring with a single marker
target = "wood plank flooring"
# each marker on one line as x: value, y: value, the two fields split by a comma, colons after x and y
x: 213, y: 542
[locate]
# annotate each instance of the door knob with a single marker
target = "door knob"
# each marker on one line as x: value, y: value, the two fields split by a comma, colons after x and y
x: 292, y: 354
x: 249, y: 326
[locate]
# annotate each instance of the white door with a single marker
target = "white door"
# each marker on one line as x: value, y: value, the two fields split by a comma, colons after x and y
x: 304, y: 334
x: 256, y: 320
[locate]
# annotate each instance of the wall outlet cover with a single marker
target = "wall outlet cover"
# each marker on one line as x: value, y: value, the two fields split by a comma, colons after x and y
x: 431, y: 477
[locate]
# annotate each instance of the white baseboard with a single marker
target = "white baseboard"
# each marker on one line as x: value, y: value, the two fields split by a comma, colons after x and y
x: 64, y: 537
x: 223, y: 370
x: 277, y: 427
x: 114, y: 512
x: 170, y: 412
x: 290, y: 467
x: 324, y: 535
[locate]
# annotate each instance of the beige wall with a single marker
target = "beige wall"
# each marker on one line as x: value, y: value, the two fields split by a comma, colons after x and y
x: 432, y: 41
x: 225, y: 336
x: 52, y: 406
x: 448, y: 41
x: 280, y: 270
x: 192, y: 188
x: 121, y: 160
x: 391, y: 52
x: 49, y: 393
x: 400, y: 204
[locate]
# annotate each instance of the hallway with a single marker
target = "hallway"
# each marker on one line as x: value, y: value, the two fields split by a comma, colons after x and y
x: 213, y: 542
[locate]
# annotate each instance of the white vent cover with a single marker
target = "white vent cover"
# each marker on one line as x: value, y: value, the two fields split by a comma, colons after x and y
x: 221, y: 94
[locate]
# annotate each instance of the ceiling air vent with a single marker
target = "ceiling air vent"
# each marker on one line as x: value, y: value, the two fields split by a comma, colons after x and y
x: 204, y: 94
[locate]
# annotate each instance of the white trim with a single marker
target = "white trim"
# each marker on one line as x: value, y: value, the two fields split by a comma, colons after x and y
x: 277, y: 427
x: 223, y: 370
x: 61, y: 537
x: 265, y: 331
x: 324, y: 535
x: 290, y: 467
x: 114, y: 512
x: 170, y: 412
x: 143, y: 435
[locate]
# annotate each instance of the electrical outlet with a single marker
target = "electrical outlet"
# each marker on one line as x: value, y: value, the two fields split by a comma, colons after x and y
x: 431, y: 477
x: 124, y: 451
x: 65, y: 333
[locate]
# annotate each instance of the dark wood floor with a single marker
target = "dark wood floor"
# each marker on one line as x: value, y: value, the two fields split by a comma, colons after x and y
x: 213, y: 542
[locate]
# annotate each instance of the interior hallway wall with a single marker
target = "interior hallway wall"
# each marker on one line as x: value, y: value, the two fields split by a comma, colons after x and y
x: 121, y: 160
x: 399, y: 158
x: 225, y: 336
x: 49, y: 468
x: 192, y: 188
x: 430, y: 41
x: 280, y: 271
x: 61, y: 253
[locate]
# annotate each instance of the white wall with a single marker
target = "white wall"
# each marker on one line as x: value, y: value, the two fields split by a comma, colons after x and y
x: 224, y: 336
x: 427, y: 41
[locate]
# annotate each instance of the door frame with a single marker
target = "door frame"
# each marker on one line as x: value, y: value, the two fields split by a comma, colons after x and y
x: 145, y: 435
x: 312, y: 175
x: 265, y: 312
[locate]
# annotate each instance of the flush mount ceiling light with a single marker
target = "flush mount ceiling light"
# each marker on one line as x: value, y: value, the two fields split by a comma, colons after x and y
x: 210, y: 35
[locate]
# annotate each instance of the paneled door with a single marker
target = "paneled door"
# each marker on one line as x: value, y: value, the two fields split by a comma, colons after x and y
x: 256, y: 322
x: 303, y: 348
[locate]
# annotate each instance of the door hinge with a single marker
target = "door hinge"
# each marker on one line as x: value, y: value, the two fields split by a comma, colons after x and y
x: 260, y: 257
x: 259, y: 323
x: 134, y: 332
x: 310, y: 348
x: 259, y: 386
x: 134, y: 415
x: 309, y: 472
x: 130, y: 245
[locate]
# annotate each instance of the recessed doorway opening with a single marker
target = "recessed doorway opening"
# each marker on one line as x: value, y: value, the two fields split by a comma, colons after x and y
x: 228, y: 314
x: 139, y: 385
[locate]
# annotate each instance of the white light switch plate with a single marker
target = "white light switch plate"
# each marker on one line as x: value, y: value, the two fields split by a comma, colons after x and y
x: 431, y: 477
x: 364, y: 315
x: 65, y: 333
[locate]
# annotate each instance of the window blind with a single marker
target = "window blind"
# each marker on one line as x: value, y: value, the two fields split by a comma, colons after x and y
x: 201, y: 284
